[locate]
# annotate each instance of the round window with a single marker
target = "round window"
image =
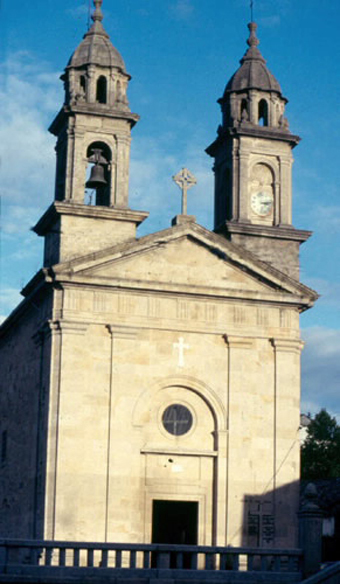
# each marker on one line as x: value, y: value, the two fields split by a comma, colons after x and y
x: 177, y: 419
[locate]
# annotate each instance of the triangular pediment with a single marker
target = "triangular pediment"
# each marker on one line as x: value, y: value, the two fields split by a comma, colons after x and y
x: 186, y: 258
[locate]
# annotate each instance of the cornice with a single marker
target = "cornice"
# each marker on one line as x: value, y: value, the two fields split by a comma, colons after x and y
x: 58, y: 209
x: 262, y: 132
x: 102, y: 111
x: 275, y: 232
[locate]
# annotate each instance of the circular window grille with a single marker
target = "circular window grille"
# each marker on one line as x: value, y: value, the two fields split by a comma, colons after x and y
x: 177, y: 419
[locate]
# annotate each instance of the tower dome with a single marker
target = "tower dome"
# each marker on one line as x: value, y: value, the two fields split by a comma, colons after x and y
x: 96, y: 74
x: 253, y: 73
x: 253, y: 95
x: 96, y: 48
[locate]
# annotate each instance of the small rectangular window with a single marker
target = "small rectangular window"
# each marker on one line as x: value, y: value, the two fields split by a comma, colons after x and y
x: 4, y: 446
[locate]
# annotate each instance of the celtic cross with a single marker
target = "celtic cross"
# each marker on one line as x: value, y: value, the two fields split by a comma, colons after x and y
x: 185, y: 180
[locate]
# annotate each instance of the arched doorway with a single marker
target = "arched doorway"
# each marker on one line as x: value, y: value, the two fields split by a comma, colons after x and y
x: 179, y: 429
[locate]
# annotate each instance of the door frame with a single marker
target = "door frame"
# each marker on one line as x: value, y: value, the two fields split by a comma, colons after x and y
x: 202, y: 535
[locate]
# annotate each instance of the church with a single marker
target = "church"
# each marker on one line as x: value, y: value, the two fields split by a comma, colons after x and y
x: 151, y: 386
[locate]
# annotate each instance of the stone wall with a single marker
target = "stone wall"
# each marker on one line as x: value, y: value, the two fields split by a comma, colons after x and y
x: 23, y: 403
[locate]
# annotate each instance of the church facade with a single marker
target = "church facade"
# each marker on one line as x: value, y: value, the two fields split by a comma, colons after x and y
x: 151, y: 386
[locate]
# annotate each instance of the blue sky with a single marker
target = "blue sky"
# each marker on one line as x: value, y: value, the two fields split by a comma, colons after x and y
x: 181, y: 54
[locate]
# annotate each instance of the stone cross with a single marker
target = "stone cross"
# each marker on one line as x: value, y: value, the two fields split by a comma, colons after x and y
x: 181, y: 345
x: 185, y: 180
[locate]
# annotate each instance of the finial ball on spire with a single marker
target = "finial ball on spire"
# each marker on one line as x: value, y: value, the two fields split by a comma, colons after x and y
x: 253, y: 41
x: 97, y: 15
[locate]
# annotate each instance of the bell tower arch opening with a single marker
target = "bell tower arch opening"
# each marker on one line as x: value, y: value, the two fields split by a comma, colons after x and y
x: 263, y: 113
x: 98, y: 171
x: 101, y: 92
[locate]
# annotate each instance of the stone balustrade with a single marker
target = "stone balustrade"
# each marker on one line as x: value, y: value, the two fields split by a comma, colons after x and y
x: 53, y: 558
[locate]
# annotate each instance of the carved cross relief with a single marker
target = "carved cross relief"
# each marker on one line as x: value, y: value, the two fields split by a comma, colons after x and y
x: 181, y: 346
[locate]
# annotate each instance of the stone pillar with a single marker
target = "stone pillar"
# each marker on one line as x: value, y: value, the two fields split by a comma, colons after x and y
x: 52, y: 430
x: 117, y: 333
x: 58, y: 329
x: 220, y: 506
x: 310, y: 531
x: 243, y: 185
x: 238, y: 347
x: 253, y: 107
x: 286, y: 462
x: 286, y: 191
x: 123, y: 156
x: 234, y: 181
x: 91, y: 92
x: 69, y: 160
x: 78, y: 171
x: 276, y: 193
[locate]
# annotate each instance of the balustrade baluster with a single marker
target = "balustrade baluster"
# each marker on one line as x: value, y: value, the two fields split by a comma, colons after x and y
x: 264, y: 564
x: 291, y: 563
x: 133, y: 555
x: 193, y: 560
x: 76, y: 557
x: 223, y: 561
x: 250, y: 562
x: 104, y: 559
x: 118, y: 559
x: 236, y: 562
x: 62, y: 557
x: 90, y: 558
x: 34, y: 555
x: 179, y: 560
x: 146, y: 559
x: 277, y: 564
x: 163, y: 560
x: 209, y: 561
x: 48, y: 556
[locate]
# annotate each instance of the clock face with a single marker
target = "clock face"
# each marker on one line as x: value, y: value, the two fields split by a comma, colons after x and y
x: 262, y: 203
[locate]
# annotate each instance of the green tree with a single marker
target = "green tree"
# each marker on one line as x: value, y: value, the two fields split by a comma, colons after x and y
x: 320, y: 453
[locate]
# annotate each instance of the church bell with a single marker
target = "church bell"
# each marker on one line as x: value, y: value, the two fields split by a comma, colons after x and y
x: 96, y: 179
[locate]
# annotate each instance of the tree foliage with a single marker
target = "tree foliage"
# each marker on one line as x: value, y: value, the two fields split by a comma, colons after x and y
x: 320, y: 453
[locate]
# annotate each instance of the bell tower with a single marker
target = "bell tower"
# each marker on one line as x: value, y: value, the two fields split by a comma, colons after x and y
x: 253, y: 165
x: 93, y: 130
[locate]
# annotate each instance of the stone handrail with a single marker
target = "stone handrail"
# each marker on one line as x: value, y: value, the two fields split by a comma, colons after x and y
x: 26, y: 557
x: 329, y: 575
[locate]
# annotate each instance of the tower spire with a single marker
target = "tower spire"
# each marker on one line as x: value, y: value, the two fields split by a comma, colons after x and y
x: 252, y: 41
x: 97, y: 15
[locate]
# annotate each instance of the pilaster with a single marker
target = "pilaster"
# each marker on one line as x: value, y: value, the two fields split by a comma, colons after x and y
x: 286, y: 391
x: 116, y: 333
x: 57, y: 330
x: 237, y: 348
x: 122, y: 170
x: 243, y: 180
x: 286, y: 191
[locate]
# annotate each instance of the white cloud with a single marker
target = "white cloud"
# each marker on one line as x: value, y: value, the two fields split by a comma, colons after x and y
x: 328, y: 290
x: 182, y: 9
x: 19, y: 219
x: 327, y: 218
x: 30, y: 94
x: 321, y: 370
x: 9, y: 298
x: 270, y: 21
x: 152, y: 187
x: 79, y: 11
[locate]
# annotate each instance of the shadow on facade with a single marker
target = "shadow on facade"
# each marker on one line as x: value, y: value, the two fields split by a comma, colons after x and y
x: 270, y: 520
